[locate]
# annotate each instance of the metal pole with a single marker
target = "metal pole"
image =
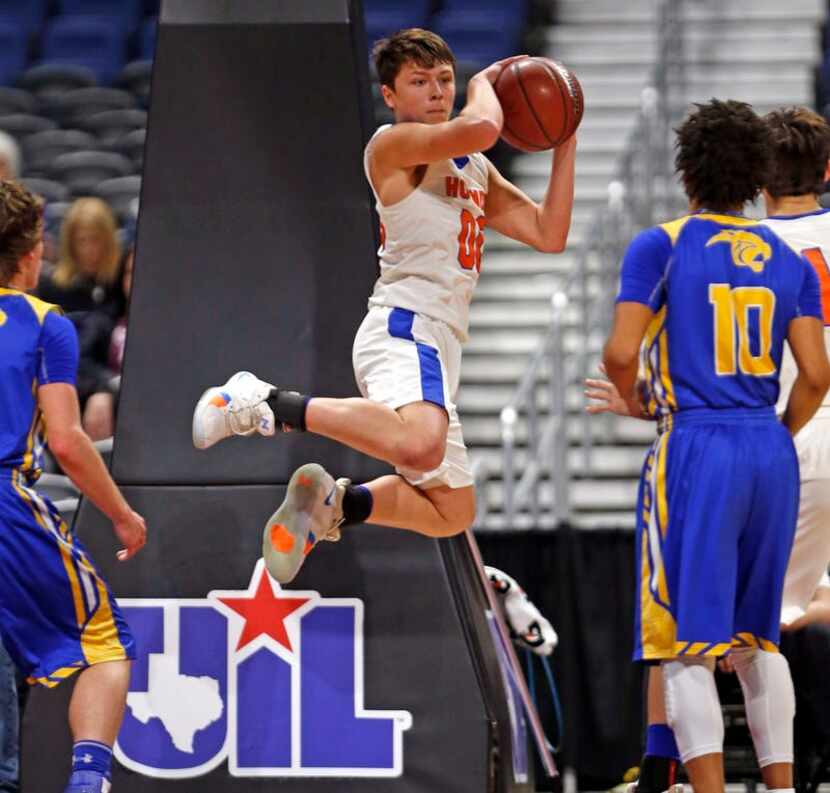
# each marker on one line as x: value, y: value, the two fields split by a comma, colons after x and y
x: 508, y: 440
x: 560, y: 478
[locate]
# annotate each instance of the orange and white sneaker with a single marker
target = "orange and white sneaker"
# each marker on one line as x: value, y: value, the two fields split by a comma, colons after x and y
x: 311, y: 512
x: 237, y: 408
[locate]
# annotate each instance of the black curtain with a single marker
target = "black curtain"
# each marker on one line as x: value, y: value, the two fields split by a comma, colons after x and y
x: 583, y: 581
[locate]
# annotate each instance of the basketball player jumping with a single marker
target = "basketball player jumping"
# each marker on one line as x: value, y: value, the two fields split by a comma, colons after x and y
x: 434, y: 193
x: 801, y: 151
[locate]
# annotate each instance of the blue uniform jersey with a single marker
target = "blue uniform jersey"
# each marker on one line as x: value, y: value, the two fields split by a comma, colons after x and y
x: 38, y: 346
x: 723, y: 290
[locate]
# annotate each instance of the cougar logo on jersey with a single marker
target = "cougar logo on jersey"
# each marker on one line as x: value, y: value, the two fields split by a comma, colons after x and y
x: 748, y: 249
x: 270, y: 680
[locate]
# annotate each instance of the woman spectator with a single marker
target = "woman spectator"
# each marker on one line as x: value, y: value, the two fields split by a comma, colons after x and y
x: 87, y: 269
x: 101, y: 340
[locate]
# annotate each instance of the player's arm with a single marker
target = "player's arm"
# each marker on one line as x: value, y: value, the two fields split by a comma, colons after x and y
x: 608, y: 399
x: 545, y: 226
x: 71, y: 446
x: 643, y: 271
x: 476, y: 128
x: 806, y: 338
x: 621, y: 356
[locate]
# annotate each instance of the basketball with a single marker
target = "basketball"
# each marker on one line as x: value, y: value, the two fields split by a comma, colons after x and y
x: 542, y: 103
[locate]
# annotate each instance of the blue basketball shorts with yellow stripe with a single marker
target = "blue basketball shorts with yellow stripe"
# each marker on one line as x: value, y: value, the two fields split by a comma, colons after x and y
x: 716, y: 516
x: 56, y: 613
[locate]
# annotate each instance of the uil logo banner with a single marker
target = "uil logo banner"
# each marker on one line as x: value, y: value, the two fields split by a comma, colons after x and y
x: 270, y: 681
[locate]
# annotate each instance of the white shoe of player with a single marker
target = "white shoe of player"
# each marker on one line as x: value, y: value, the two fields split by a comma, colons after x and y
x: 311, y: 512
x: 236, y: 408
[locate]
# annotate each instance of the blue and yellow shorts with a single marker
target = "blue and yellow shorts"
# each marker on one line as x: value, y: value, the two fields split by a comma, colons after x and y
x: 56, y: 613
x: 716, y: 515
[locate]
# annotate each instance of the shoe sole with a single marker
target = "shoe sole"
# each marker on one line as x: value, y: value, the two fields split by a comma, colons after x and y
x: 198, y: 430
x: 286, y: 540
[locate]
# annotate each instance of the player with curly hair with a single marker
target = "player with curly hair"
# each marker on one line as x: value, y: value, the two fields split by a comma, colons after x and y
x: 710, y: 298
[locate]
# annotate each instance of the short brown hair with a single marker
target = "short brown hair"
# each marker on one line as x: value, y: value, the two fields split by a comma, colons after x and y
x: 21, y: 227
x: 424, y: 47
x: 723, y: 154
x: 800, y: 151
x: 96, y: 214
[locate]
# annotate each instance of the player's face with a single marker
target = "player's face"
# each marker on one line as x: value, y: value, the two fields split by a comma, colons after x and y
x: 422, y: 94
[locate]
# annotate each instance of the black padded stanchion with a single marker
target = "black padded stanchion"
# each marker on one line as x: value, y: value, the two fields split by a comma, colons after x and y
x: 256, y: 250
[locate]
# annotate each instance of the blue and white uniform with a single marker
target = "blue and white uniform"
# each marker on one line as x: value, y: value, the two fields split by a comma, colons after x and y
x: 56, y: 613
x: 408, y: 348
x: 719, y: 491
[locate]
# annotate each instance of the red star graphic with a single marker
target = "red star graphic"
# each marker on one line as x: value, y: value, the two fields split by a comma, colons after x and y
x: 264, y: 613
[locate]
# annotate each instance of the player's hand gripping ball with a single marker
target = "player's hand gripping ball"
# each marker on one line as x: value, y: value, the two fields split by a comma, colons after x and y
x: 542, y: 103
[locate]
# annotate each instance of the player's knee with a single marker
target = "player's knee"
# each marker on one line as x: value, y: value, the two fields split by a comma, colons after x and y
x: 424, y: 453
x: 460, y: 513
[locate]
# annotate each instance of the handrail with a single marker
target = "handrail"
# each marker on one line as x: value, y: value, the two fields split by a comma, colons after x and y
x: 638, y: 192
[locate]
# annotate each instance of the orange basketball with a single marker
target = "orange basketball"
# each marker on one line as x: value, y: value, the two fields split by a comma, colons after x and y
x: 542, y: 103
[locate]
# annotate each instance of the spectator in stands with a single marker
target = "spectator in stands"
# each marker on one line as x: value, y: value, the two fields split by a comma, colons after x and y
x: 87, y: 269
x: 101, y: 340
x: 11, y: 163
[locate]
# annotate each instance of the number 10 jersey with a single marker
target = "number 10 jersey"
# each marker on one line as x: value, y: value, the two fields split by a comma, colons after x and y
x: 723, y: 290
x: 432, y: 241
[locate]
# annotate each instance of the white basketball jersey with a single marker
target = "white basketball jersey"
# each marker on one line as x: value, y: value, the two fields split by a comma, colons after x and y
x: 809, y: 235
x: 432, y: 241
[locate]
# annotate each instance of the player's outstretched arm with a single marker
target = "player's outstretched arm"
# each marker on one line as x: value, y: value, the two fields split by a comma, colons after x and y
x: 806, y: 338
x: 79, y: 458
x: 477, y: 127
x: 544, y: 226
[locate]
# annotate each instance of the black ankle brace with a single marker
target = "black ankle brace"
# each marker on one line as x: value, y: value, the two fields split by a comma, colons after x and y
x: 289, y: 408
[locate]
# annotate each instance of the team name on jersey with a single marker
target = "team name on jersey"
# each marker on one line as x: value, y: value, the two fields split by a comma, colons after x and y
x: 458, y: 188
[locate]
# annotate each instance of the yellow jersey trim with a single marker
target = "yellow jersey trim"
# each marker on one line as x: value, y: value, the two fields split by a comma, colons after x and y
x: 40, y: 307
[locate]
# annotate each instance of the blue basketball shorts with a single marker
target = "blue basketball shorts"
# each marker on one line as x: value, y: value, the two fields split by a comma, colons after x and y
x: 56, y: 613
x: 716, y: 516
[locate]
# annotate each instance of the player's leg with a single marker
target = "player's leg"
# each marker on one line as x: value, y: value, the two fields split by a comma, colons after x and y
x: 764, y: 552
x: 694, y: 714
x: 658, y: 768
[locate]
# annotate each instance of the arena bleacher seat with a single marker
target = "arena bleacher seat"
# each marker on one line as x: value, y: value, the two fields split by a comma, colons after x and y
x: 135, y: 77
x: 131, y: 145
x: 81, y: 171
x: 16, y: 100
x: 20, y: 125
x: 41, y: 148
x: 111, y: 125
x: 149, y: 29
x: 98, y: 43
x: 48, y: 79
x: 53, y: 214
x: 70, y: 105
x: 48, y: 189
x: 121, y: 194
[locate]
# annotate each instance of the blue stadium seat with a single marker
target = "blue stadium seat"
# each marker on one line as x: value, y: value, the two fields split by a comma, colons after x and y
x: 13, y: 51
x: 127, y: 13
x: 95, y: 42
x: 514, y: 8
x: 481, y: 38
x: 383, y: 17
x: 149, y: 31
x: 29, y: 14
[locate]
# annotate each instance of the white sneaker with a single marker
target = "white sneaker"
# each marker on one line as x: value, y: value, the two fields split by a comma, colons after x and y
x: 311, y: 512
x: 236, y: 408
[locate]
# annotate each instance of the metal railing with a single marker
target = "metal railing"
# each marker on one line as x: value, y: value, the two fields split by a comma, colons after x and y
x: 641, y: 190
